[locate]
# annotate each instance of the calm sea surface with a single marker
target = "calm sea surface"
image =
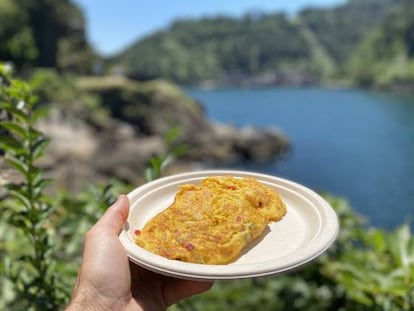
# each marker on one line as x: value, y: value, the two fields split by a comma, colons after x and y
x: 354, y: 144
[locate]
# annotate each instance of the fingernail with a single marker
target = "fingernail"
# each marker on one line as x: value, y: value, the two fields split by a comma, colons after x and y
x: 114, y: 203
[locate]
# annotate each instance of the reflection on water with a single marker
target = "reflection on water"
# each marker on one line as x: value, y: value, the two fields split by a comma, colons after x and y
x: 355, y: 144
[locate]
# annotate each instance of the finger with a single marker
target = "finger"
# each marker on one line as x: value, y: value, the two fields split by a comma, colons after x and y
x: 115, y: 216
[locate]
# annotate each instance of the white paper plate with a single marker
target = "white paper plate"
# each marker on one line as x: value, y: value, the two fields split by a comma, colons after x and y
x: 308, y: 229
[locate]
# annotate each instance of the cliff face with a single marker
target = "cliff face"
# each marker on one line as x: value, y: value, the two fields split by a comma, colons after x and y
x: 142, y: 113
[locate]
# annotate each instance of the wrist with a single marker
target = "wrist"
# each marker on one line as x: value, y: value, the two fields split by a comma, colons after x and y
x: 80, y: 301
x: 85, y: 300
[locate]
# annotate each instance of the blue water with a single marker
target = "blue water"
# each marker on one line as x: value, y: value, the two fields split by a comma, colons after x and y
x: 355, y: 144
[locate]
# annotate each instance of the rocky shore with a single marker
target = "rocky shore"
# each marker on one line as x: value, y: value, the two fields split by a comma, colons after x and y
x: 141, y: 113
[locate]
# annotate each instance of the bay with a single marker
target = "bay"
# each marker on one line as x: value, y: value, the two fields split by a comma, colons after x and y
x: 355, y: 144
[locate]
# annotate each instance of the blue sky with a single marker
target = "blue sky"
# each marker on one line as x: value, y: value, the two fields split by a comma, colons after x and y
x: 113, y: 25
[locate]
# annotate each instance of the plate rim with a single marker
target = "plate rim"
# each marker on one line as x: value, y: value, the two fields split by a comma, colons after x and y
x: 325, y: 238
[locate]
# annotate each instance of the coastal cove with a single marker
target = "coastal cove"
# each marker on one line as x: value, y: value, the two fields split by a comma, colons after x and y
x: 355, y: 144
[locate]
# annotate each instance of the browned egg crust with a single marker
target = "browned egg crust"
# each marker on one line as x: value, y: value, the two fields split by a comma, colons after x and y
x: 213, y: 222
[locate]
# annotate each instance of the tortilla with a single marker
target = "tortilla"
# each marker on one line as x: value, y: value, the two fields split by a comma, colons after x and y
x: 212, y: 223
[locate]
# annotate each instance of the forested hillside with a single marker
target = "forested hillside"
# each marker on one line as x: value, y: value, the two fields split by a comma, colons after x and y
x: 274, y: 48
x: 386, y: 55
x: 338, y: 30
x: 363, y: 42
x: 204, y: 49
x: 44, y: 33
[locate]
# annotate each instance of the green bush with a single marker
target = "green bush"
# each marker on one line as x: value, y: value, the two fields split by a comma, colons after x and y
x: 41, y: 235
x: 29, y: 262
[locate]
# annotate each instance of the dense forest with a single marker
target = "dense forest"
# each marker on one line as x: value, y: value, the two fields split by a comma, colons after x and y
x: 361, y: 42
x: 349, y: 43
x: 386, y: 55
x: 44, y: 33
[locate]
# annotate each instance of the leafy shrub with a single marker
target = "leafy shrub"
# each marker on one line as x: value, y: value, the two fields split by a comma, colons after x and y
x: 41, y: 236
x: 30, y: 267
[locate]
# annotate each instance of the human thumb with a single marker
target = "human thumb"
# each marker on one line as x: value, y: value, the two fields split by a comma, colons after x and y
x: 115, y: 216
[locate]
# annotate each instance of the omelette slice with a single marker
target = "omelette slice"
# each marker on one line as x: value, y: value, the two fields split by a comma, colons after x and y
x: 213, y: 222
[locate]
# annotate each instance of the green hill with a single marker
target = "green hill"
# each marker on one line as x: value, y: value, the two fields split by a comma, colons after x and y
x: 385, y: 58
x: 205, y: 49
x: 341, y: 28
x: 365, y: 42
x: 316, y: 43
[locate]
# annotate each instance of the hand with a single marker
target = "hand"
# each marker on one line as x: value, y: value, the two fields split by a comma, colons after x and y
x: 108, y: 281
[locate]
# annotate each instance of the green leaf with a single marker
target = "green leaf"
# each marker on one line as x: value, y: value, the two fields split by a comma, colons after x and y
x: 21, y: 198
x: 402, y: 247
x: 179, y: 150
x: 156, y: 162
x: 43, y: 183
x: 36, y: 178
x: 10, y: 144
x: 15, y: 128
x: 361, y: 297
x: 149, y: 174
x: 46, y: 210
x: 34, y: 174
x: 15, y: 112
x: 39, y: 147
x: 22, y: 224
x: 39, y: 188
x: 19, y: 90
x: 34, y: 133
x: 18, y: 164
x: 377, y: 239
x: 172, y: 135
x: 166, y: 161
